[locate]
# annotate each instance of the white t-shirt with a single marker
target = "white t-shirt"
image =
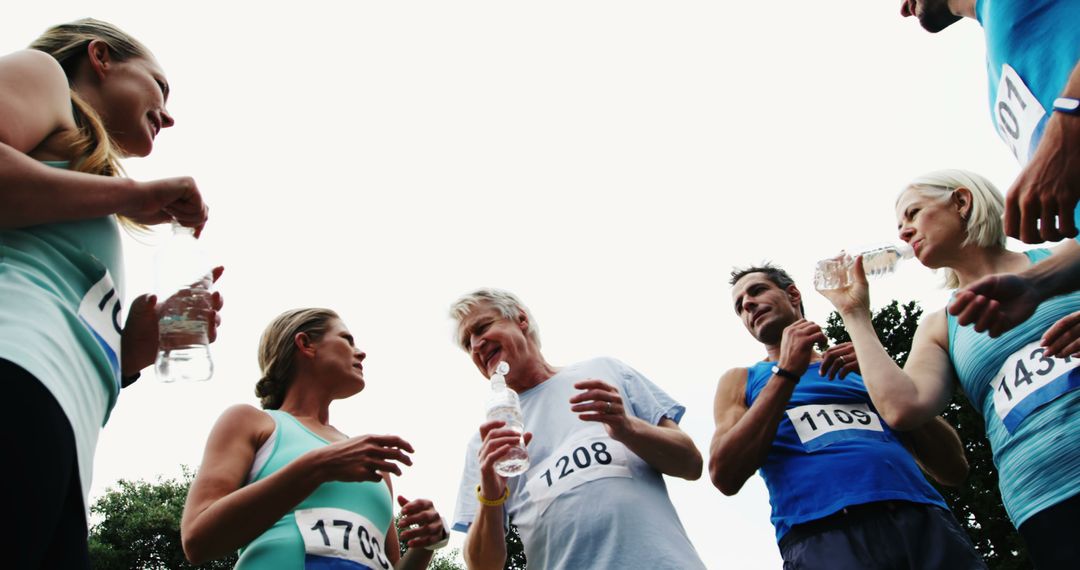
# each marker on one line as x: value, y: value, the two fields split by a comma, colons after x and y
x: 587, y: 501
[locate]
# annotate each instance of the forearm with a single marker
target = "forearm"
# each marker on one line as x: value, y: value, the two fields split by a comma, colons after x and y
x: 738, y: 452
x: 939, y: 451
x: 241, y: 516
x: 415, y: 559
x: 668, y: 450
x: 1057, y: 274
x: 32, y: 193
x: 892, y: 391
x: 485, y: 545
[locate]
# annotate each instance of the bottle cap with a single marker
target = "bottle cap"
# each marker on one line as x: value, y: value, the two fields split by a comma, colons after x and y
x: 502, y: 368
x: 905, y: 250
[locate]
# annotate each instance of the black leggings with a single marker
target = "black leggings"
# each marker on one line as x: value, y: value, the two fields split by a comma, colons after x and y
x: 39, y: 485
x: 1051, y: 535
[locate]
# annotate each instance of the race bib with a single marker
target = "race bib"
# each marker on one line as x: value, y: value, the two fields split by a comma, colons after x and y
x: 1016, y: 113
x: 820, y: 425
x: 1029, y: 380
x: 573, y: 464
x: 99, y: 311
x: 336, y: 539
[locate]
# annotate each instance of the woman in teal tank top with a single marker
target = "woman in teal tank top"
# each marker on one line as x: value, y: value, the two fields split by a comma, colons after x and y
x: 1027, y: 397
x: 85, y: 95
x: 289, y: 490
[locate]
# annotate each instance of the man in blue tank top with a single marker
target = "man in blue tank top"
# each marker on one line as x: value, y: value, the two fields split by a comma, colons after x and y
x: 1033, y: 69
x: 845, y: 489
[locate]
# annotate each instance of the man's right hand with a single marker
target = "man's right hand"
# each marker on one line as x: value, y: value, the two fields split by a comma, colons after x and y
x: 995, y: 303
x: 797, y: 345
x: 363, y: 458
x: 496, y: 442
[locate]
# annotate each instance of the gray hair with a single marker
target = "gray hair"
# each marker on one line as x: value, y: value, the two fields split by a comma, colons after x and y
x: 984, y: 224
x: 508, y: 305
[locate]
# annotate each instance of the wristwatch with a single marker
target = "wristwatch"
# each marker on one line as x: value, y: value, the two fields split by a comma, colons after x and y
x: 785, y: 374
x: 1068, y: 105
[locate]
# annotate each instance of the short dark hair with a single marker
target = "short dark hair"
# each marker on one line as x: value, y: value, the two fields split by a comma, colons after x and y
x: 777, y: 275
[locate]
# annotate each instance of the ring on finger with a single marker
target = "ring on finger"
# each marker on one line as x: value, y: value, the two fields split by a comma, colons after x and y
x: 607, y: 408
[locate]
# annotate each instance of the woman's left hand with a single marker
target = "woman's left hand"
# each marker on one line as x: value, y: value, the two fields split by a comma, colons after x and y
x: 855, y: 296
x: 422, y: 526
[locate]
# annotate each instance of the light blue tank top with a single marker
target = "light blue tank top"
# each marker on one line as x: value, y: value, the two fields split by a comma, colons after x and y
x: 282, y: 547
x: 1038, y: 463
x: 832, y: 450
x: 62, y: 291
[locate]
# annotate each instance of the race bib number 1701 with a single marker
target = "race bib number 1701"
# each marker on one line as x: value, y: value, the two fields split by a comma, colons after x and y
x: 1029, y: 380
x: 336, y: 539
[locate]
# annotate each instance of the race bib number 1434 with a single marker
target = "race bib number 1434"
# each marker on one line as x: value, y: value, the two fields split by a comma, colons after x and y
x: 1029, y: 380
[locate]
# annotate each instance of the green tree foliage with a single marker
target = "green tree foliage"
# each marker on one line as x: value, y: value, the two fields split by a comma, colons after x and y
x: 139, y: 527
x: 977, y: 504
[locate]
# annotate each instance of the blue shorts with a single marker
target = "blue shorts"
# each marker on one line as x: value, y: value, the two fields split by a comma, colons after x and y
x: 879, y: 536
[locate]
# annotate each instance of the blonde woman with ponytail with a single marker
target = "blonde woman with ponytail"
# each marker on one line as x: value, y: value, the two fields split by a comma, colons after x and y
x: 85, y: 95
x: 288, y: 489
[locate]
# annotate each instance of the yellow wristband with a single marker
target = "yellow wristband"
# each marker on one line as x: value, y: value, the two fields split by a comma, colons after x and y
x: 490, y: 503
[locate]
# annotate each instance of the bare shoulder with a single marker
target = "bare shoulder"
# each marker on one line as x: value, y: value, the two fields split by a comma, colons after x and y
x: 934, y: 328
x: 731, y: 388
x: 244, y: 420
x: 35, y: 99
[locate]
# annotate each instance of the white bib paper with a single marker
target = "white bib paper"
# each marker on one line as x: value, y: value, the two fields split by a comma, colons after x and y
x: 1016, y: 113
x: 574, y: 463
x: 342, y: 535
x: 100, y: 310
x: 1030, y: 379
x: 813, y: 421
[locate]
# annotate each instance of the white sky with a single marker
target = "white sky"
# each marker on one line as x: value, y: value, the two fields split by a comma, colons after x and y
x: 607, y: 161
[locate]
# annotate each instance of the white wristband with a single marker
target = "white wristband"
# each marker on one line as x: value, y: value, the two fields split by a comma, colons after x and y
x: 446, y: 536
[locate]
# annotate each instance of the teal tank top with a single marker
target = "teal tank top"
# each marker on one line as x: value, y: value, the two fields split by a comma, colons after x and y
x: 1036, y: 445
x: 282, y: 547
x: 62, y: 291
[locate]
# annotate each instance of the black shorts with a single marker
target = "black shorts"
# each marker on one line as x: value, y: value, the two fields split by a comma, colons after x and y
x: 1052, y: 535
x: 882, y: 535
x: 39, y: 485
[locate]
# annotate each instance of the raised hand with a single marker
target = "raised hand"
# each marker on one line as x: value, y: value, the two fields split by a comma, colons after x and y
x: 422, y: 526
x: 496, y: 441
x: 601, y: 402
x: 159, y: 201
x: 797, y: 345
x: 995, y: 303
x: 364, y: 458
x: 839, y: 361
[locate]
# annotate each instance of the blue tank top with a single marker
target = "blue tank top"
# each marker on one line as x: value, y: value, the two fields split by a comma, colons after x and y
x: 1036, y: 445
x: 333, y: 514
x: 832, y: 450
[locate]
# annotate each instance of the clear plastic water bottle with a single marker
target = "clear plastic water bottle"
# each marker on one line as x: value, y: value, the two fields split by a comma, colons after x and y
x: 184, y: 283
x: 504, y: 405
x: 836, y: 272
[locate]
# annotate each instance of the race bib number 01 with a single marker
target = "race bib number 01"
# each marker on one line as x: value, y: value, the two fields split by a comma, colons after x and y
x: 1029, y: 380
x: 820, y: 425
x: 100, y: 313
x: 574, y: 464
x: 1017, y: 113
x: 336, y: 539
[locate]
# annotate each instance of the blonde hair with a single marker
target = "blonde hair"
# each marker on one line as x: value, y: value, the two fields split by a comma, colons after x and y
x: 277, y: 350
x: 93, y: 149
x: 508, y: 305
x: 984, y: 226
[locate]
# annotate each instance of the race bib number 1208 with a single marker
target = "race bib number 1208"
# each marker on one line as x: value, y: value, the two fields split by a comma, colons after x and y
x: 336, y: 539
x: 574, y: 464
x: 1029, y: 380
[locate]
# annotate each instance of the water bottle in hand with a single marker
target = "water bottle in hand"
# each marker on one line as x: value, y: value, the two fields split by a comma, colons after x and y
x: 836, y: 272
x: 184, y: 284
x: 504, y: 405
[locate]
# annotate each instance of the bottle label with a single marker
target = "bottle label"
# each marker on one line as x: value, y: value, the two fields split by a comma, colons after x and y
x: 573, y: 464
x: 99, y: 311
x: 340, y: 539
x: 821, y: 425
x: 1029, y: 380
x: 1017, y: 113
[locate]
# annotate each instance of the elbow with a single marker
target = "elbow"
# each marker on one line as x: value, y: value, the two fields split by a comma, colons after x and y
x: 956, y: 475
x: 692, y: 470
x: 723, y: 480
x: 903, y: 418
x: 195, y: 549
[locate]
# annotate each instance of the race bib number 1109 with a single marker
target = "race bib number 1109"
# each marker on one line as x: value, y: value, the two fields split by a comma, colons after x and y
x: 819, y: 425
